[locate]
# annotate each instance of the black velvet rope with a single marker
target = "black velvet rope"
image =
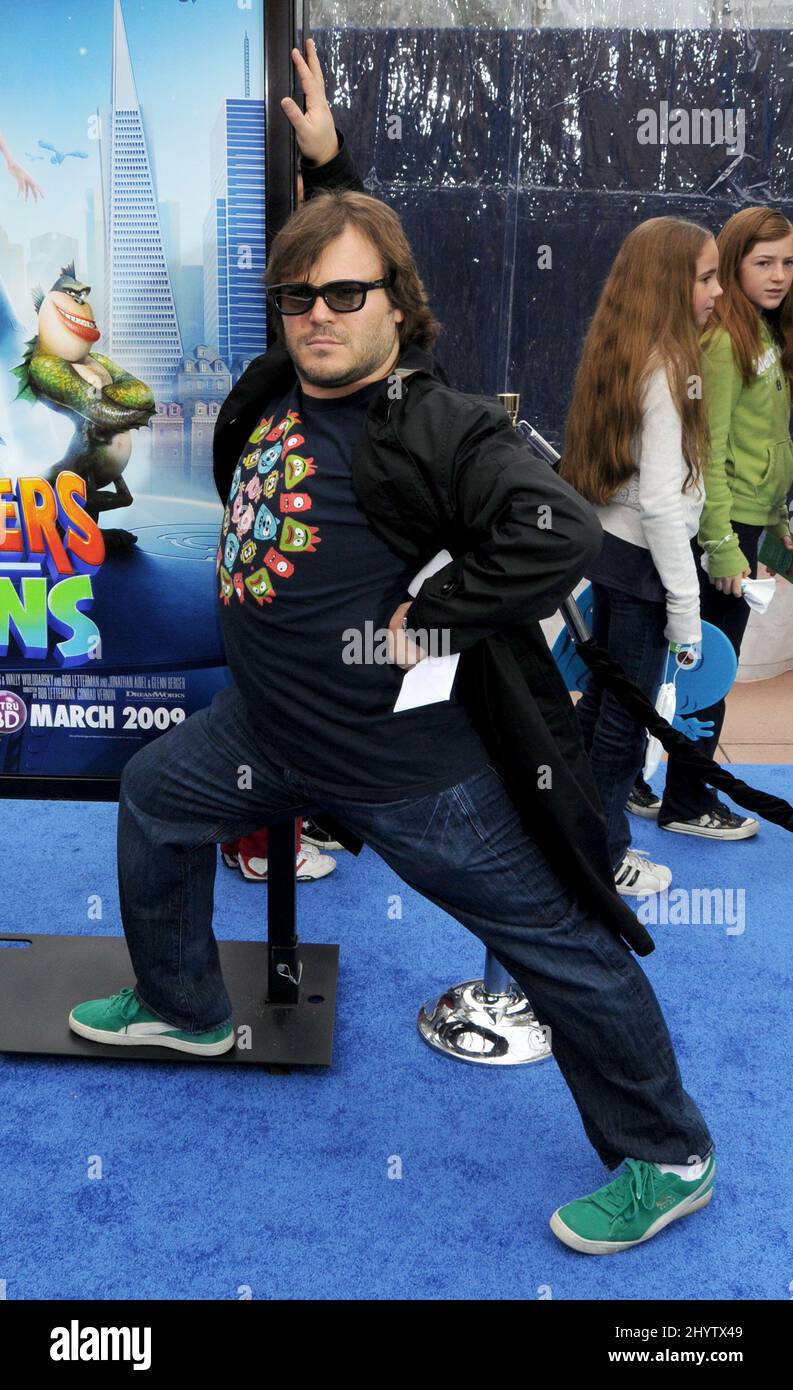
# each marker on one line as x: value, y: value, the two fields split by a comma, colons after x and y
x: 613, y: 678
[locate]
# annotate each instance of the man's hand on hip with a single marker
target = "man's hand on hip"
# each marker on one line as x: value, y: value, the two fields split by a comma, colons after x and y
x: 402, y: 650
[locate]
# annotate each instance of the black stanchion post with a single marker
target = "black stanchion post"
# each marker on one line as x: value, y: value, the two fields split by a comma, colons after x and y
x: 284, y: 968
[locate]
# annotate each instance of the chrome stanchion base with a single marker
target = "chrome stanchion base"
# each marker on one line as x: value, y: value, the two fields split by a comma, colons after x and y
x: 495, y: 1030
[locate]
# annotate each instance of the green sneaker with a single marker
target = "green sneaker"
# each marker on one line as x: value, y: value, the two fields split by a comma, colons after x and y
x: 122, y: 1020
x: 632, y: 1208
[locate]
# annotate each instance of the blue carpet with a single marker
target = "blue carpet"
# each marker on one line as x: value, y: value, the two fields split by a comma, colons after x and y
x: 218, y: 1183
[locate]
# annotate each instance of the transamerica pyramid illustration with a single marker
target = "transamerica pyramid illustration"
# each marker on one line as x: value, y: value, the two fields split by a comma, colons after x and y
x: 141, y: 328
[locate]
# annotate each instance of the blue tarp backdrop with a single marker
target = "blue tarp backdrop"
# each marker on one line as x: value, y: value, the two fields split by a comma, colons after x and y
x: 493, y: 144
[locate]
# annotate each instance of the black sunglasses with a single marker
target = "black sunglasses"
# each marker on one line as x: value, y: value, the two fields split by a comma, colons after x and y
x: 342, y: 296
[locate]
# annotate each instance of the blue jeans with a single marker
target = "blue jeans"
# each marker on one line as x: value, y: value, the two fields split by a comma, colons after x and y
x: 463, y: 848
x: 632, y: 631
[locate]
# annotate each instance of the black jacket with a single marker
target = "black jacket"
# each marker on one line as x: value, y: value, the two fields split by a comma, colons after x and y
x: 438, y: 469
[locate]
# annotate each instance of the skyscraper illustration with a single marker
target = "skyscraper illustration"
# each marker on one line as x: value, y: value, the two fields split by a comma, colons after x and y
x: 234, y: 243
x: 141, y: 328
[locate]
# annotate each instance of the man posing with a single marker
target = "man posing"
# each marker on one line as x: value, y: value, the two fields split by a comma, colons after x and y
x: 346, y: 462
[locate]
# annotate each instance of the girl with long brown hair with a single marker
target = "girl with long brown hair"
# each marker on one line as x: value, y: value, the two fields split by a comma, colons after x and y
x: 635, y: 445
x: 747, y: 373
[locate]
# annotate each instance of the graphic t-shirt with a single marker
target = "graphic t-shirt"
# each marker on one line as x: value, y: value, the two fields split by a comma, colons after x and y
x: 304, y: 583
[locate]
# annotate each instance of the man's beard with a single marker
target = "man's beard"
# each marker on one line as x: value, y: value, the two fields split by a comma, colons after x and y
x: 375, y: 355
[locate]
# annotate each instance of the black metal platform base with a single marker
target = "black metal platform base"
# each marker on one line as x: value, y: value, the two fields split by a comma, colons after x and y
x: 40, y: 984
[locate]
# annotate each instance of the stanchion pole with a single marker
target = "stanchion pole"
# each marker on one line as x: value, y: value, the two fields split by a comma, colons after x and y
x: 284, y: 966
x: 490, y: 1021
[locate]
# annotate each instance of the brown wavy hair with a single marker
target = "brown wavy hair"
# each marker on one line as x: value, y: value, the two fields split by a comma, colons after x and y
x: 734, y: 311
x: 644, y: 318
x: 305, y: 235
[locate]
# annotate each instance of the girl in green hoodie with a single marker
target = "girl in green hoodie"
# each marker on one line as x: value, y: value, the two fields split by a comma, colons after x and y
x: 747, y: 372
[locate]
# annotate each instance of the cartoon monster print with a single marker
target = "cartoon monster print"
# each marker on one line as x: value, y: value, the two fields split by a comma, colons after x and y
x: 279, y: 564
x: 246, y: 521
x: 253, y: 491
x: 261, y: 586
x: 226, y: 587
x: 297, y: 537
x: 296, y: 469
x: 248, y: 513
x: 297, y: 502
x: 261, y: 430
x: 266, y: 525
x: 269, y: 458
x: 231, y: 552
x: 285, y: 426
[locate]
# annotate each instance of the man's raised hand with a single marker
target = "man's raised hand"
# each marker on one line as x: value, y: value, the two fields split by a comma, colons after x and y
x: 314, y: 128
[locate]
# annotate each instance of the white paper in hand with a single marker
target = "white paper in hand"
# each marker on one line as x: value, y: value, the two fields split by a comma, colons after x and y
x: 433, y: 678
x: 758, y: 593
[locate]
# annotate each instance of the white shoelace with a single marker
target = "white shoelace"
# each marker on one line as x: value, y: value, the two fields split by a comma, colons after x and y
x: 635, y: 863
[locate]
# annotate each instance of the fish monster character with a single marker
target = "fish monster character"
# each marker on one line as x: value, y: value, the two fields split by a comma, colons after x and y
x: 269, y: 458
x: 297, y: 537
x: 226, y: 586
x: 231, y: 551
x: 285, y: 426
x: 265, y: 525
x: 238, y: 588
x: 104, y: 402
x: 261, y: 586
x: 261, y: 430
x: 296, y: 468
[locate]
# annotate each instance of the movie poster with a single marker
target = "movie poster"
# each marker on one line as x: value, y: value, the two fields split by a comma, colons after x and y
x: 132, y: 248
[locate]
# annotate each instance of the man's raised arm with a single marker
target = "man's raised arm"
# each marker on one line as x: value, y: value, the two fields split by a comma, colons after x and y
x: 324, y: 159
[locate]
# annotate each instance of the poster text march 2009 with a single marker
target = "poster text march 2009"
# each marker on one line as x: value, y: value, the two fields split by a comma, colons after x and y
x: 132, y: 250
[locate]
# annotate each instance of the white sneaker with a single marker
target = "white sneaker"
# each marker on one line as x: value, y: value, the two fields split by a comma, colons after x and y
x: 719, y: 824
x: 637, y: 876
x: 312, y: 864
x: 309, y: 864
